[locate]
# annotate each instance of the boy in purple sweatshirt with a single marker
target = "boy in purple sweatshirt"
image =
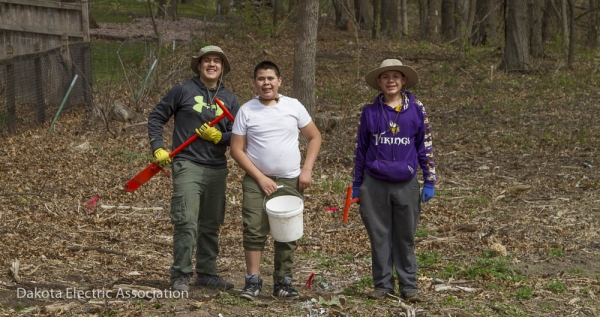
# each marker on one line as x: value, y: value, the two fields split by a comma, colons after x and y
x: 394, y: 139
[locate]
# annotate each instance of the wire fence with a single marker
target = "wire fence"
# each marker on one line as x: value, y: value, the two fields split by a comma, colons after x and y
x: 34, y: 86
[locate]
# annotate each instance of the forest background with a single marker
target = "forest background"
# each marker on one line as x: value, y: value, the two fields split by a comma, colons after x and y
x: 511, y: 89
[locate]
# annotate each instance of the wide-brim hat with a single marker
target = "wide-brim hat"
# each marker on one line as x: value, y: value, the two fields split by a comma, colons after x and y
x: 392, y: 64
x: 211, y: 49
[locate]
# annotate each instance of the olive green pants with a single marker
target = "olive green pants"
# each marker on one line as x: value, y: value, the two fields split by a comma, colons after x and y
x: 256, y: 223
x: 197, y: 212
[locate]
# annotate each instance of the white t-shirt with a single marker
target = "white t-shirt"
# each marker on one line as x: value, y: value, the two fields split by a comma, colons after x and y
x: 272, y: 135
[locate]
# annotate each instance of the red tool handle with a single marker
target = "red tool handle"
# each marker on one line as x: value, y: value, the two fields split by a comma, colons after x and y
x: 349, y: 202
x: 145, y: 175
x: 225, y: 113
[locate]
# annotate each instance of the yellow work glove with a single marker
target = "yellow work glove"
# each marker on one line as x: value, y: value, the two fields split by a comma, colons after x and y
x: 161, y: 157
x: 209, y: 133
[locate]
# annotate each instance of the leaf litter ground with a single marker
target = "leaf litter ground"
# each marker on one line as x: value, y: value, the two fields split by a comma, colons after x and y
x: 512, y: 231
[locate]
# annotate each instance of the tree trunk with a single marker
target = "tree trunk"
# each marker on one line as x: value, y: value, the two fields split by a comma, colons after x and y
x: 565, y: 25
x: 223, y: 7
x: 549, y: 19
x: 470, y: 20
x: 389, y: 18
x: 167, y: 9
x: 362, y: 13
x: 305, y: 53
x: 535, y: 23
x: 423, y: 13
x: 341, y: 8
x: 462, y: 18
x: 516, y: 50
x: 404, y: 13
x: 448, y: 22
x: 486, y: 23
x: 571, y: 34
x: 433, y: 20
x: 187, y: 1
x: 376, y: 19
x: 593, y: 34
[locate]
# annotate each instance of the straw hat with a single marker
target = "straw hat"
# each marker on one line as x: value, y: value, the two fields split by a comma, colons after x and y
x: 211, y: 49
x: 392, y: 64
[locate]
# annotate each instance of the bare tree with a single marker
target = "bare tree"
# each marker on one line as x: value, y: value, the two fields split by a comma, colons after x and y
x: 341, y: 8
x: 305, y: 53
x: 448, y: 23
x: 550, y: 18
x: 404, y: 14
x: 376, y: 19
x: 223, y: 7
x: 571, y: 34
x: 167, y: 9
x: 486, y: 23
x: 565, y: 25
x: 516, y: 30
x: 432, y: 29
x: 389, y: 18
x: 593, y: 35
x: 362, y: 13
x: 535, y: 28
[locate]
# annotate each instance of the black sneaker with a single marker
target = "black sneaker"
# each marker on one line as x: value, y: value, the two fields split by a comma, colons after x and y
x: 252, y: 288
x: 212, y: 281
x: 285, y: 289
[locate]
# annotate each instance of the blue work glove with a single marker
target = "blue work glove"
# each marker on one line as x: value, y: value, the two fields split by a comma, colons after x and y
x: 355, y: 192
x: 428, y: 192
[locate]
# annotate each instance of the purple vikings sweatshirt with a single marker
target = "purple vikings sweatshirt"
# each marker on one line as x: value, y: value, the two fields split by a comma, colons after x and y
x: 392, y: 144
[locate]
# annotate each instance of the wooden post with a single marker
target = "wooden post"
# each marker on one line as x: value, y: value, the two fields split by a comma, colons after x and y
x: 10, y: 92
x: 86, y: 86
x: 85, y: 20
x: 39, y: 90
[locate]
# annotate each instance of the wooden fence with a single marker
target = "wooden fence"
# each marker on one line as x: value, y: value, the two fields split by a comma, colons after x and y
x: 29, y: 26
x: 43, y: 45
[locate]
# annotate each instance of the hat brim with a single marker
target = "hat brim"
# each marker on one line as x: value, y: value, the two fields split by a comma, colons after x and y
x: 196, y: 60
x: 409, y: 73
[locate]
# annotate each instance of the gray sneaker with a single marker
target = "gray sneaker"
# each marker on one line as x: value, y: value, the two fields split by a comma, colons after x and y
x: 181, y: 283
x: 252, y: 288
x: 379, y: 293
x: 285, y: 289
x: 412, y: 296
x: 212, y: 281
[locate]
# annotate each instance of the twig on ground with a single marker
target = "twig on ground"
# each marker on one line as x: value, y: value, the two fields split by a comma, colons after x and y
x: 75, y: 248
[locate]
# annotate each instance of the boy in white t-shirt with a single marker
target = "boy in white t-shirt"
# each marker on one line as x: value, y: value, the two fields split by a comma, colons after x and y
x: 265, y: 144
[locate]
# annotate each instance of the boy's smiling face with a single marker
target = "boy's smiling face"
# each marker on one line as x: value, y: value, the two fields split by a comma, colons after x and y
x: 210, y: 67
x: 267, y: 84
x: 391, y: 82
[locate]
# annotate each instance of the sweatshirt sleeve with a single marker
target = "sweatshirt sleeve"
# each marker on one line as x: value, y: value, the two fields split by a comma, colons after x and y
x: 362, y: 144
x: 424, y: 144
x: 160, y: 115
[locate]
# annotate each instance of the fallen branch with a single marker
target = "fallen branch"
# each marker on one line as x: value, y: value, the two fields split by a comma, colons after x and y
x: 130, y: 207
x: 20, y: 194
x: 14, y: 270
x: 96, y: 249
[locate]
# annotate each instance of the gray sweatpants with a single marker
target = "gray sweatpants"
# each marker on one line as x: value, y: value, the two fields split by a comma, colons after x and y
x: 390, y: 212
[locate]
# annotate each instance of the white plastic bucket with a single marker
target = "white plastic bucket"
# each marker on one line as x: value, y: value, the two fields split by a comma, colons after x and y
x: 285, y: 218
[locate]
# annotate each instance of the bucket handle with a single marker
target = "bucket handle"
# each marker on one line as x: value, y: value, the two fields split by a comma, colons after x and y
x: 297, y: 193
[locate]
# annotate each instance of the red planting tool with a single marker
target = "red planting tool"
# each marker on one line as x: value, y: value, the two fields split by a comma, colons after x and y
x: 142, y: 177
x: 349, y: 201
